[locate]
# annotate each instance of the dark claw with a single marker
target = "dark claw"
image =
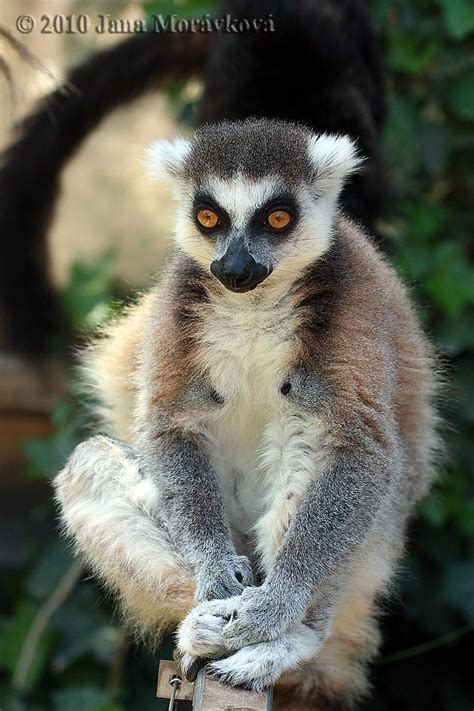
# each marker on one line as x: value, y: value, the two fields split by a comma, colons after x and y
x: 231, y: 617
x: 193, y: 670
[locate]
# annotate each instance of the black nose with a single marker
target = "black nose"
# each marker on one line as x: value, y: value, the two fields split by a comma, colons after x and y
x: 237, y: 269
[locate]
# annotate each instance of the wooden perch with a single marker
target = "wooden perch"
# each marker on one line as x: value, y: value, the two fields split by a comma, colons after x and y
x: 207, y: 693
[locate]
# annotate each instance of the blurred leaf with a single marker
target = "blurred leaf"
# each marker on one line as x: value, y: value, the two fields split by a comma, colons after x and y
x: 100, y: 644
x: 450, y: 502
x: 83, y: 698
x: 46, y: 456
x: 465, y: 518
x: 436, y: 144
x: 402, y: 131
x: 451, y: 282
x: 83, y: 628
x: 48, y: 570
x: 461, y: 97
x: 12, y: 701
x: 458, y: 586
x: 87, y: 296
x: 410, y: 53
x: 459, y: 17
x: 456, y: 335
x: 435, y: 511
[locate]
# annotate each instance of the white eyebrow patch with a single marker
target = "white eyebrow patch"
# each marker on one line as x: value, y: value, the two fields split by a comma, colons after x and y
x: 241, y: 196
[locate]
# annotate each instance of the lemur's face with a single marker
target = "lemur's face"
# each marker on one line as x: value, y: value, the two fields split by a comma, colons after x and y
x: 255, y: 198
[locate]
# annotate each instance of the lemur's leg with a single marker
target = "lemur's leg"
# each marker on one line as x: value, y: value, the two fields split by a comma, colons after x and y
x: 111, y: 512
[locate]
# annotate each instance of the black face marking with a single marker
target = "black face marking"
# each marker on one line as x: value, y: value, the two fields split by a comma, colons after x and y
x: 285, y: 388
x: 204, y: 201
x: 243, y: 255
x: 258, y: 224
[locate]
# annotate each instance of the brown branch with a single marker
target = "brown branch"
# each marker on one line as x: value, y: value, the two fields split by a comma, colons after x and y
x: 40, y: 622
x: 116, y: 668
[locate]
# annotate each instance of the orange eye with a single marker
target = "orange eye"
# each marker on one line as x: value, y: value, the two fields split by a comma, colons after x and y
x: 207, y: 218
x: 279, y: 219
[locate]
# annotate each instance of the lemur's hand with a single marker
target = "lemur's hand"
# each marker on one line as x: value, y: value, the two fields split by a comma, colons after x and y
x: 223, y: 577
x: 259, y: 616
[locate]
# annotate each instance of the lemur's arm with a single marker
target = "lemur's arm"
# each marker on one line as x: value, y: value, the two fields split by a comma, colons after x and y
x: 318, y: 550
x: 195, y: 512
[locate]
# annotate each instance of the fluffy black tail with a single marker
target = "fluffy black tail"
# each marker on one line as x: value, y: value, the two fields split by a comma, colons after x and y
x: 320, y: 67
x: 31, y: 168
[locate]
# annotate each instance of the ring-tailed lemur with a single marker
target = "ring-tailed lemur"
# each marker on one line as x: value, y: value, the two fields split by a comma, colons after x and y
x: 274, y: 391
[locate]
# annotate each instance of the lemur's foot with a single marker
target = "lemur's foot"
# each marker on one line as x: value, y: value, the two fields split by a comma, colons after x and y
x: 103, y: 468
x: 200, y: 633
x: 96, y: 462
x: 259, y: 666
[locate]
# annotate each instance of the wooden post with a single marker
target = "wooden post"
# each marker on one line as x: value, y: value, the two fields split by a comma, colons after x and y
x: 166, y: 672
x: 211, y: 695
x: 208, y: 693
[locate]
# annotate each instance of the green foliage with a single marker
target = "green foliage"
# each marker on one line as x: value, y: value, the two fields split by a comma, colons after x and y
x: 458, y: 17
x: 46, y: 456
x: 80, y: 658
x: 87, y: 297
x: 430, y: 147
x: 182, y: 95
x: 189, y: 9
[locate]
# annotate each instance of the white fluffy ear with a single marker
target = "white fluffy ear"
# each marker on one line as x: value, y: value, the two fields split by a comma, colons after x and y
x: 334, y: 158
x: 165, y: 159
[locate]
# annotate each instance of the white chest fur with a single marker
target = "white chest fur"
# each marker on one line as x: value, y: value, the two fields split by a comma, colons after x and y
x: 263, y: 447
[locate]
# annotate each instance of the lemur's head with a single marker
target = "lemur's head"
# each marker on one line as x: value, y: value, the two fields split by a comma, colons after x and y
x: 254, y: 197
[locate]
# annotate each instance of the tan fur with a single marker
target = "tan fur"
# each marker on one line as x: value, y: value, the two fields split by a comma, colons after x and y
x: 110, y: 366
x: 113, y: 513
